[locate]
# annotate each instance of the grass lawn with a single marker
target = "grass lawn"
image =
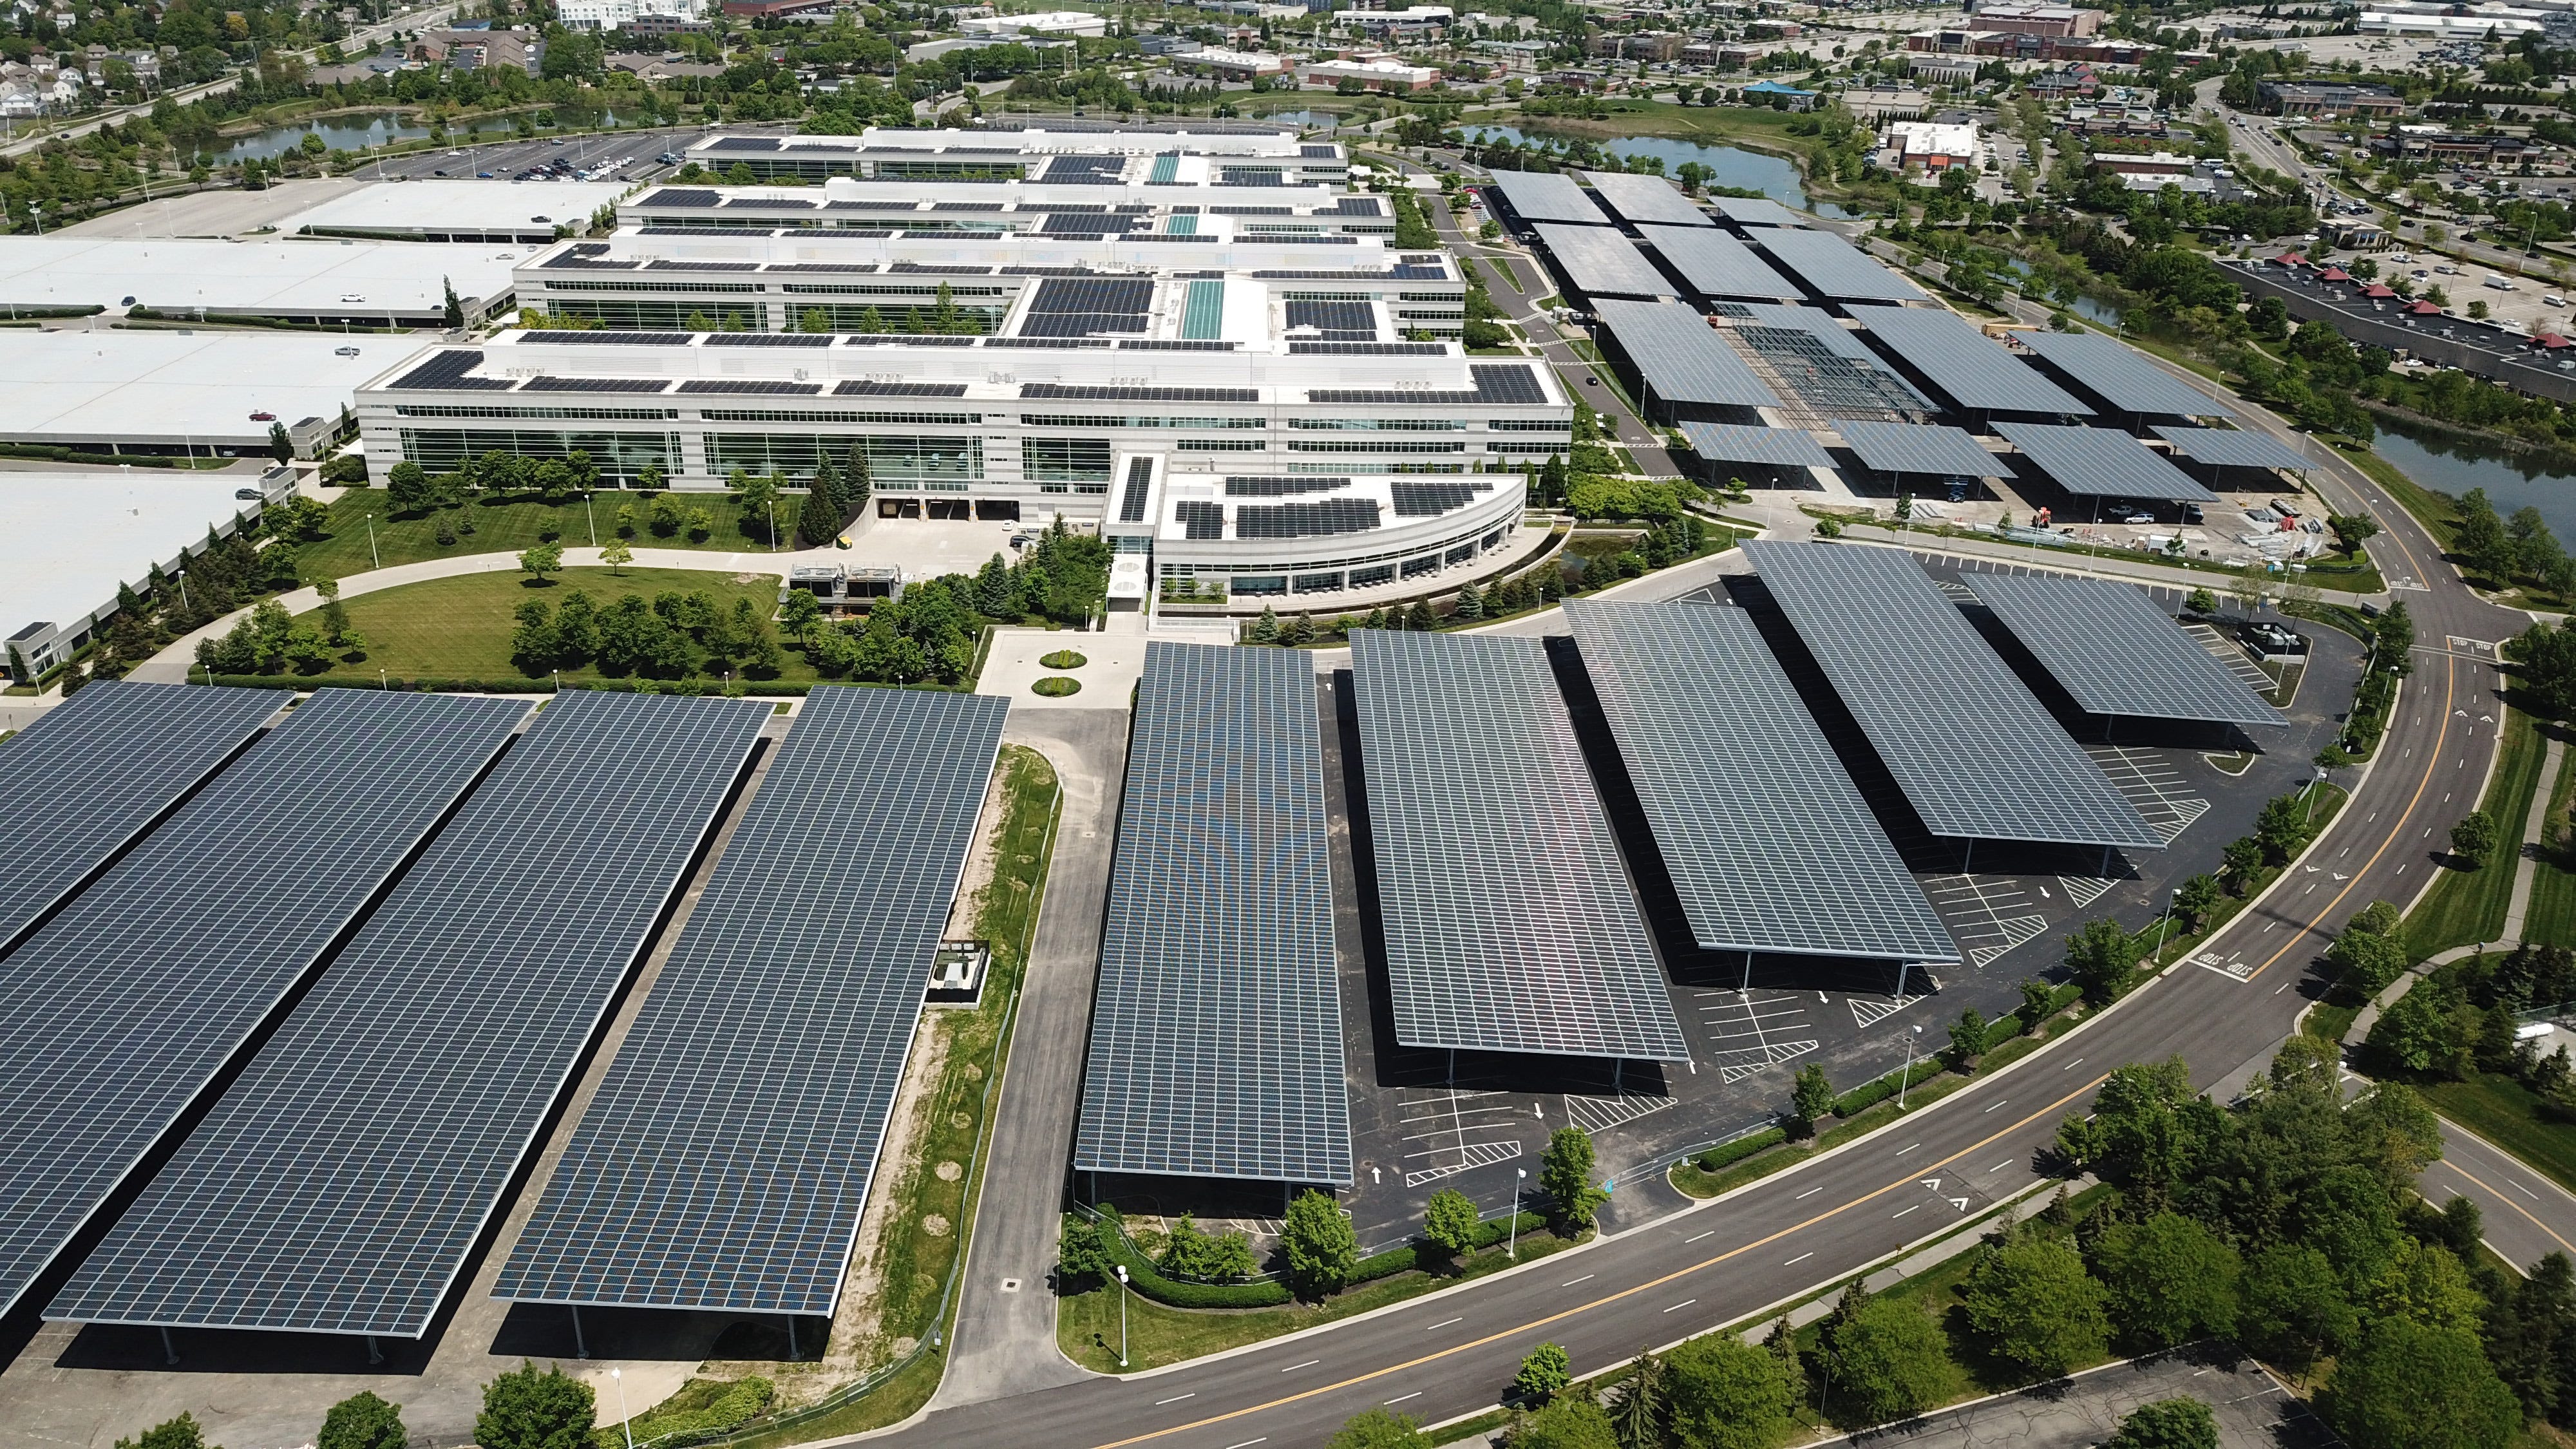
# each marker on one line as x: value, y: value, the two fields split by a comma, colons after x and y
x: 498, y: 528
x: 2432, y: 509
x: 2466, y: 907
x: 2504, y: 1112
x: 2551, y: 920
x: 460, y: 628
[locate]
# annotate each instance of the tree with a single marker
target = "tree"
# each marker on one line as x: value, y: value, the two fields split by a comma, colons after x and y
x: 1885, y: 1360
x: 2528, y: 1338
x: 1083, y: 1258
x: 2281, y: 828
x: 2100, y: 958
x: 2547, y: 676
x: 280, y: 446
x: 183, y: 1432
x: 1319, y: 1243
x: 2367, y: 960
x: 1449, y: 1223
x: 1727, y: 1394
x: 800, y: 613
x: 2195, y: 898
x: 1378, y: 1429
x: 2203, y: 603
x: 1811, y: 1100
x: 2032, y: 1297
x: 529, y: 1409
x: 2238, y: 862
x: 1967, y: 1039
x: 1642, y: 1414
x: 757, y: 497
x: 1565, y: 1175
x: 1567, y: 1423
x: 2176, y: 1423
x: 2474, y: 838
x: 362, y: 1421
x: 1204, y: 1257
x: 2407, y: 1386
x: 407, y: 489
x: 2352, y: 530
x: 2481, y: 541
x: 454, y: 314
x: 1543, y: 1375
x: 617, y: 555
x: 2168, y: 1280
x: 541, y: 560
x: 2294, y: 1306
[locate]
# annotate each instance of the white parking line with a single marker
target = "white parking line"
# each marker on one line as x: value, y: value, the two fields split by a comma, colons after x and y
x: 1292, y: 1368
x: 1444, y: 1323
x: 1586, y: 1278
x: 1794, y: 1262
x: 1685, y: 1303
x: 1176, y: 1398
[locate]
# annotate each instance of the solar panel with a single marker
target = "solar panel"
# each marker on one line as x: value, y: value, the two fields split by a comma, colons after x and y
x: 1748, y: 443
x: 1921, y: 448
x: 1369, y: 349
x: 1975, y: 372
x: 1769, y: 844
x: 1681, y: 357
x: 1830, y: 266
x: 1546, y: 196
x: 446, y: 371
x: 727, y: 1155
x: 1428, y: 500
x: 750, y: 385
x: 2234, y: 448
x: 612, y: 339
x: 1306, y: 520
x: 127, y: 1004
x: 1059, y: 344
x: 2123, y: 380
x: 1975, y: 754
x: 594, y: 384
x: 1216, y: 1033
x: 1140, y: 483
x: 2116, y: 652
x: 1083, y: 170
x: 339, y: 1184
x: 1755, y: 211
x: 767, y: 339
x: 899, y: 389
x: 1717, y: 263
x: 681, y: 196
x: 1510, y: 923
x: 1599, y: 261
x: 1240, y: 486
x: 1200, y: 520
x: 1065, y: 307
x: 1644, y: 199
x: 92, y: 774
x: 1508, y: 383
x: 2099, y: 463
x: 1338, y: 321
x: 1072, y: 392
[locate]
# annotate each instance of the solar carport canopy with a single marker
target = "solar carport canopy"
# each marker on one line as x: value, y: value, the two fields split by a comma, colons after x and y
x: 1975, y: 372
x: 2112, y: 649
x: 1919, y: 448
x: 2099, y: 463
x: 93, y: 773
x: 1599, y: 261
x: 1547, y: 196
x: 1510, y: 923
x: 1976, y: 756
x: 1717, y: 263
x: 1642, y: 199
x: 728, y: 1152
x: 1832, y: 267
x: 1768, y: 842
x: 339, y: 1184
x: 1755, y: 211
x: 123, y: 1008
x: 2120, y: 377
x: 1681, y: 357
x: 1746, y: 443
x: 1216, y: 1036
x: 2234, y: 448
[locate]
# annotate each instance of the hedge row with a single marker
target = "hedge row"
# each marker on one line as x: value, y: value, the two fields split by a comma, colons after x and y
x: 1146, y: 1280
x: 1741, y: 1148
x: 1869, y: 1094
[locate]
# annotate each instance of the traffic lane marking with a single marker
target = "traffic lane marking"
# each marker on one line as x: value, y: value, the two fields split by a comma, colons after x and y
x: 2509, y: 1202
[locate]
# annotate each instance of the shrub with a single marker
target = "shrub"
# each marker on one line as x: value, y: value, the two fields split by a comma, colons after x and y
x: 1741, y: 1148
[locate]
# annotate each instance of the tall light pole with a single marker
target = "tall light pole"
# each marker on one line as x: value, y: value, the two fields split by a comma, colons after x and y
x: 1905, y: 1083
x: 1122, y: 1315
x: 591, y: 518
x: 372, y: 556
x: 619, y: 1376
x: 1519, y: 1176
x: 2171, y: 899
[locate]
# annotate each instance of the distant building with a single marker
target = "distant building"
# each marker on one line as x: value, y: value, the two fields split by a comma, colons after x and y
x: 1377, y: 72
x: 1050, y: 23
x: 622, y: 14
x: 2299, y: 98
x: 1796, y: 99
x: 1234, y: 64
x: 1933, y: 146
x: 461, y: 49
x: 2035, y: 19
x: 1412, y: 23
x: 2160, y: 163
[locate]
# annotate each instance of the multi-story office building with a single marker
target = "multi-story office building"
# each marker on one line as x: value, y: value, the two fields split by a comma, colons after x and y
x: 1237, y: 153
x: 1187, y: 201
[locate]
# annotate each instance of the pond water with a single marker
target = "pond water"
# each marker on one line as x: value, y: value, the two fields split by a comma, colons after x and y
x: 1298, y: 117
x: 354, y: 133
x: 2512, y: 480
x: 1774, y: 176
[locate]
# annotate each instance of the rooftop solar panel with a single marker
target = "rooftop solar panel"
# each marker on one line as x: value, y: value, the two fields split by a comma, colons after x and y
x: 2125, y: 381
x: 1681, y: 357
x: 1920, y: 448
x: 2234, y: 448
x: 127, y: 1004
x: 1832, y: 267
x: 1717, y: 263
x: 2116, y: 652
x: 1306, y: 520
x: 1601, y: 262
x: 1427, y: 500
x: 339, y: 1184
x: 446, y: 371
x: 1546, y: 196
x: 92, y: 774
x: 2099, y: 463
x: 1510, y: 923
x: 726, y: 1157
x: 1643, y: 199
x: 1748, y: 443
x: 1216, y: 1034
x: 1768, y: 842
x: 1976, y: 756
x: 1975, y: 372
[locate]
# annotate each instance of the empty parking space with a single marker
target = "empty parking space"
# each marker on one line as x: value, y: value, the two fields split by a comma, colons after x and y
x: 1748, y: 1032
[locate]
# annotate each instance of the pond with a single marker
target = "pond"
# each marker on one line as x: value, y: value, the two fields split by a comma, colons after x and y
x: 1297, y: 117
x: 1774, y: 176
x: 2513, y: 480
x: 355, y: 133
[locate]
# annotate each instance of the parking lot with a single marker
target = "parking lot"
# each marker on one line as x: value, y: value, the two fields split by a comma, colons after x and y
x: 616, y: 155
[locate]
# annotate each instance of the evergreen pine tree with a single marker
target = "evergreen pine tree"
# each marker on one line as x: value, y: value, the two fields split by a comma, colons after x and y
x: 1376, y: 619
x: 856, y: 484
x: 1471, y: 603
x: 1420, y: 619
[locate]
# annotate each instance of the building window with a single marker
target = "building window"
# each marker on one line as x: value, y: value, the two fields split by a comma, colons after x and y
x: 1295, y: 446
x: 889, y: 458
x: 1259, y: 584
x: 1368, y: 577
x: 618, y: 456
x: 1069, y: 460
x: 1378, y: 425
x: 1222, y: 445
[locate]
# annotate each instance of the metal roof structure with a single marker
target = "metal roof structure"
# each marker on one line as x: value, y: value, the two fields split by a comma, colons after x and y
x: 1755, y: 211
x: 2126, y: 381
x: 2116, y: 652
x: 1510, y: 922
x: 1681, y: 357
x: 724, y: 1161
x: 1832, y: 267
x: 1975, y: 372
x: 1768, y: 842
x: 1216, y: 1033
x: 1600, y: 261
x: 1974, y: 753
x: 1718, y: 263
x: 2099, y: 463
x: 2234, y: 448
x: 91, y: 775
x: 343, y: 1178
x: 1748, y: 443
x: 1920, y: 448
x: 128, y: 1004
x: 1646, y: 200
x: 1546, y: 196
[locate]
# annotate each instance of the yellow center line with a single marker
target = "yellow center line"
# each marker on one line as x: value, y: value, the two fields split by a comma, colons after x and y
x: 2509, y: 1202
x: 1610, y: 1298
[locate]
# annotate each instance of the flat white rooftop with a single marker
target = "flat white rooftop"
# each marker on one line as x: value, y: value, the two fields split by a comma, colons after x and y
x: 68, y: 539
x: 279, y: 278
x: 168, y: 388
x: 414, y: 207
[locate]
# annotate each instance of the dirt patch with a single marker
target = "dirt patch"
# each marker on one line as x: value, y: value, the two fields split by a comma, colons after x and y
x: 935, y: 1225
x: 950, y: 1171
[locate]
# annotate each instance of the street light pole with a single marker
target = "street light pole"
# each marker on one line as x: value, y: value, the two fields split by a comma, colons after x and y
x: 619, y: 1375
x: 1519, y: 1176
x: 1906, y: 1082
x: 372, y: 556
x: 591, y: 518
x: 2165, y: 920
x: 1122, y: 1315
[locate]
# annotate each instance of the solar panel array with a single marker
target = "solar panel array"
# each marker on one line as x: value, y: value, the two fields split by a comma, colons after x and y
x: 1067, y: 307
x: 1920, y: 448
x: 1769, y: 844
x: 1509, y: 920
x: 1140, y: 483
x: 1507, y: 383
x: 1681, y: 357
x: 1747, y: 443
x: 1646, y: 199
x: 1974, y: 753
x: 1339, y: 321
x: 1975, y: 372
x: 1546, y: 196
x: 2126, y: 381
x: 1319, y: 519
x: 1599, y: 261
x: 1252, y: 486
x: 126, y: 1005
x: 2234, y: 448
x: 2099, y: 463
x: 1830, y: 266
x: 727, y: 1155
x: 1430, y: 500
x: 2117, y: 653
x: 899, y: 389
x: 93, y: 773
x: 595, y: 384
x: 447, y: 371
x: 1199, y: 519
x: 1755, y: 211
x: 1085, y: 392
x: 1216, y: 1033
x: 341, y: 1181
x: 1717, y: 263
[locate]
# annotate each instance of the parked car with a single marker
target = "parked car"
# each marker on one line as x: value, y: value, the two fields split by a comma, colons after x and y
x: 344, y: 352
x: 263, y: 417
x: 2138, y: 518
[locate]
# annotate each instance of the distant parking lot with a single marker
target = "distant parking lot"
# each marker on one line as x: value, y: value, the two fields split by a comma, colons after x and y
x: 618, y: 155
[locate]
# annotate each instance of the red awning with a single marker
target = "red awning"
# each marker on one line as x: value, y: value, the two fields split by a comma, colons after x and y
x: 2334, y: 274
x: 2291, y: 259
x: 2547, y: 339
x: 2376, y: 290
x: 2425, y: 309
